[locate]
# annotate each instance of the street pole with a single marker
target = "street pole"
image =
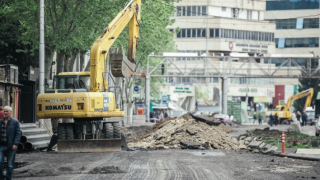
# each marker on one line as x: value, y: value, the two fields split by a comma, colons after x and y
x: 42, y: 50
x: 148, y: 91
x: 224, y: 95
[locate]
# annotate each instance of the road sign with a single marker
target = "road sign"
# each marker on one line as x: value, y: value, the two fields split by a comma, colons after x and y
x: 136, y: 88
x: 164, y: 99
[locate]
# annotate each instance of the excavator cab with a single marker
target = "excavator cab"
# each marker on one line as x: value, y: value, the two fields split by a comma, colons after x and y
x: 71, y: 82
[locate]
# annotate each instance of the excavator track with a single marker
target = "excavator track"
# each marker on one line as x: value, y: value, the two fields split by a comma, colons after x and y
x: 120, y: 65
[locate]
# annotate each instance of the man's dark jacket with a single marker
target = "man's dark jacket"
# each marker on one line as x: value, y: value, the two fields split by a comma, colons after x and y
x: 13, y: 132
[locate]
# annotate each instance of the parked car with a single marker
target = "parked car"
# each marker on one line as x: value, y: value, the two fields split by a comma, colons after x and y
x: 225, y: 119
x: 317, y: 126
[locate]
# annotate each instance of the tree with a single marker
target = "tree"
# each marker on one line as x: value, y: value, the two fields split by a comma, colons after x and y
x: 307, y: 83
x: 10, y: 39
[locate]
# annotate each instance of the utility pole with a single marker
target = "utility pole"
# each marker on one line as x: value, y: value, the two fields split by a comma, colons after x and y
x: 42, y: 50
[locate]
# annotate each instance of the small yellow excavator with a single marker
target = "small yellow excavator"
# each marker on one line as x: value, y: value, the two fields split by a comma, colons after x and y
x: 85, y: 96
x: 284, y: 111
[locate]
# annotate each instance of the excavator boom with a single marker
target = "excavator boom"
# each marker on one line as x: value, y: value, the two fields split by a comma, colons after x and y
x: 120, y: 65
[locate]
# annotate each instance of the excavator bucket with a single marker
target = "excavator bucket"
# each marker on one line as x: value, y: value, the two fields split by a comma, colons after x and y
x: 120, y: 65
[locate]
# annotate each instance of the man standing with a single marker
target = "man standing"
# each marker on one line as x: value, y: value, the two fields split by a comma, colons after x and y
x: 1, y: 112
x: 254, y: 118
x: 196, y: 105
x: 9, y: 139
x: 260, y: 119
x: 304, y: 118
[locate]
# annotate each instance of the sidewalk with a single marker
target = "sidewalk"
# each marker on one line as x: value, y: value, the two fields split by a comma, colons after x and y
x: 305, y: 154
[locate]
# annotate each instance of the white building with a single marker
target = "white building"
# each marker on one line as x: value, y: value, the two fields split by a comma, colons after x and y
x: 222, y: 28
x: 297, y: 25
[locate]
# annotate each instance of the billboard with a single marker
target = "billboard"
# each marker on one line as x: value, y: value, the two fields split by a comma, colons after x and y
x: 208, y: 96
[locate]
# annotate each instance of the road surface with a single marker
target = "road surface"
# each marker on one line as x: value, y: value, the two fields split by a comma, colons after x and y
x: 163, y: 164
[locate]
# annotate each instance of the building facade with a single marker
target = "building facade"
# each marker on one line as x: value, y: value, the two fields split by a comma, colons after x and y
x: 297, y: 26
x: 249, y: 28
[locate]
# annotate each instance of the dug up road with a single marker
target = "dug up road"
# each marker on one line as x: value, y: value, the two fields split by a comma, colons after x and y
x: 163, y: 164
x: 160, y: 157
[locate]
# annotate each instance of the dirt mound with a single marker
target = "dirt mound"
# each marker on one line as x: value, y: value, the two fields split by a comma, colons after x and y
x: 134, y: 132
x: 186, y: 133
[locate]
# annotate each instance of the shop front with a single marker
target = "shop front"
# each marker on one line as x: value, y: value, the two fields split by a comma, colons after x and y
x: 10, y: 88
x: 255, y: 94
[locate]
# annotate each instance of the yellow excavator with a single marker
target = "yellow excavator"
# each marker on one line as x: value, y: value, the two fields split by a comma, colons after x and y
x: 85, y: 96
x: 284, y: 111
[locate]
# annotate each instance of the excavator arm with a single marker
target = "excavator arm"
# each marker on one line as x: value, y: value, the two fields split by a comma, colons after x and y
x: 306, y: 93
x: 120, y: 65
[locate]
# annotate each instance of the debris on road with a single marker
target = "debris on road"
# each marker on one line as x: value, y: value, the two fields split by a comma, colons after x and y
x: 187, y: 132
x: 293, y: 139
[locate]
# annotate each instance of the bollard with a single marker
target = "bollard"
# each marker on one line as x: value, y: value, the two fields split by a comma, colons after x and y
x: 283, y: 143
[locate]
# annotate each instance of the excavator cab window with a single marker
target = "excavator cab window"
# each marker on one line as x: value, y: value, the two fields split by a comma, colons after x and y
x: 71, y: 82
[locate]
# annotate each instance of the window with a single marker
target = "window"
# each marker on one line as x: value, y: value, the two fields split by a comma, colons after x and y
x: 217, y: 32
x: 194, y: 11
x: 298, y: 42
x: 249, y: 14
x: 238, y: 34
x: 204, y: 10
x: 179, y: 34
x: 211, y: 33
x: 199, y: 11
x: 184, y: 11
x: 235, y: 12
x: 285, y: 23
x: 188, y: 10
x: 292, y: 4
x: 311, y: 23
x: 179, y: 11
x: 194, y: 33
x: 191, y: 10
x: 253, y: 81
x: 201, y: 32
x: 183, y: 33
x: 191, y: 33
x: 223, y: 8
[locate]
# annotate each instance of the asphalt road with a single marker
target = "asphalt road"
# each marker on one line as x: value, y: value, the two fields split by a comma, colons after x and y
x: 164, y: 164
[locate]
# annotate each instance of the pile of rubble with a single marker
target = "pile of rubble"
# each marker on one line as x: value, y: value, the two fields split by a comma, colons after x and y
x: 187, y: 132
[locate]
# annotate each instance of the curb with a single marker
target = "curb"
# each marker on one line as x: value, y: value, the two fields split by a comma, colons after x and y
x: 296, y: 156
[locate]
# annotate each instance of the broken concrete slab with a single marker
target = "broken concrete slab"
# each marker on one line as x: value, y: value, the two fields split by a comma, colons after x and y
x: 248, y: 139
x: 262, y: 145
x: 191, y: 131
x: 255, y: 144
x: 271, y: 149
x: 190, y: 145
x: 267, y: 146
x: 242, y: 137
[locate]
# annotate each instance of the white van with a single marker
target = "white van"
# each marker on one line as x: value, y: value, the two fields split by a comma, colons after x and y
x: 311, y: 115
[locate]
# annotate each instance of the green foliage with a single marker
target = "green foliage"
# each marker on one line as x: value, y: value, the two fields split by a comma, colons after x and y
x: 11, y: 33
x: 74, y: 25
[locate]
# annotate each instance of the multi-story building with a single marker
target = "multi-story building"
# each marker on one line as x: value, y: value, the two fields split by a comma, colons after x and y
x: 297, y: 25
x: 217, y: 27
x: 246, y: 27
x: 222, y: 28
